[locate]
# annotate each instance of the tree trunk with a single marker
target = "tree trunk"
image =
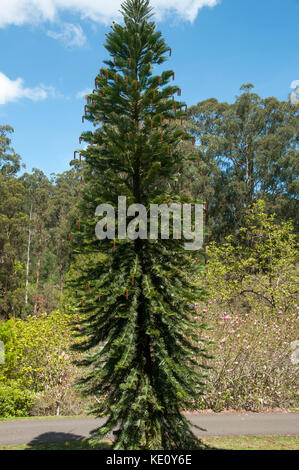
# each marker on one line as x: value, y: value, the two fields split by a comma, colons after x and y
x: 28, y: 258
x: 37, y: 272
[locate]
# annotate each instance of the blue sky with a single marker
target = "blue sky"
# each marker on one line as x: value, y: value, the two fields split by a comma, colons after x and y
x: 51, y: 51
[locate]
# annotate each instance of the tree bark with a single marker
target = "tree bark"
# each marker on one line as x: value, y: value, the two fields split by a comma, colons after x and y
x: 28, y: 257
x: 37, y: 272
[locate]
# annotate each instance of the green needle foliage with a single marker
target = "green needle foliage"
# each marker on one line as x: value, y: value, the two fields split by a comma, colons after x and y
x: 137, y: 297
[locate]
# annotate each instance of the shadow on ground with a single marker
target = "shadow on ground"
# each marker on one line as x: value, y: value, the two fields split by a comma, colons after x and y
x: 69, y: 441
x: 63, y: 441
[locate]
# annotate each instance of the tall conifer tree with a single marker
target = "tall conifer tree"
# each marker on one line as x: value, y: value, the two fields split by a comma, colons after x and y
x: 137, y: 297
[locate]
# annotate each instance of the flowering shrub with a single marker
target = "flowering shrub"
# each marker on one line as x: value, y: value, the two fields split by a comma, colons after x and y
x: 252, y: 367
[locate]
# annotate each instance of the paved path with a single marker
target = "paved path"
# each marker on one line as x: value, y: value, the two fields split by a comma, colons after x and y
x: 65, y: 429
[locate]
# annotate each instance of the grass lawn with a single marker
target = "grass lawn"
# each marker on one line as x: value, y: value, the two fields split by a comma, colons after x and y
x: 253, y: 442
x: 225, y: 443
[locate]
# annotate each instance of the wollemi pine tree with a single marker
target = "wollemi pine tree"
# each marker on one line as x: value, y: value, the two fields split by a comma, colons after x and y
x: 137, y: 296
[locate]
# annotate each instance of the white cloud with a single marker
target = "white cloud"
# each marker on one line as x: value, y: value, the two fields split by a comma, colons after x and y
x: 184, y: 9
x: 83, y: 93
x: 70, y: 35
x: 13, y: 90
x: 19, y: 12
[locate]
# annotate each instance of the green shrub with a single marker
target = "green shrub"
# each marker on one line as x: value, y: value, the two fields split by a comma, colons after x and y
x: 14, y: 401
x: 38, y: 359
x: 256, y: 268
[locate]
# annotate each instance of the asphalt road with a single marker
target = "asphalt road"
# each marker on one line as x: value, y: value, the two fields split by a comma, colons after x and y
x: 66, y: 429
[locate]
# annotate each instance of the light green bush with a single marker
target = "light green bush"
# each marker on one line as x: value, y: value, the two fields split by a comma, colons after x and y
x: 38, y: 358
x: 255, y: 269
x: 14, y: 401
